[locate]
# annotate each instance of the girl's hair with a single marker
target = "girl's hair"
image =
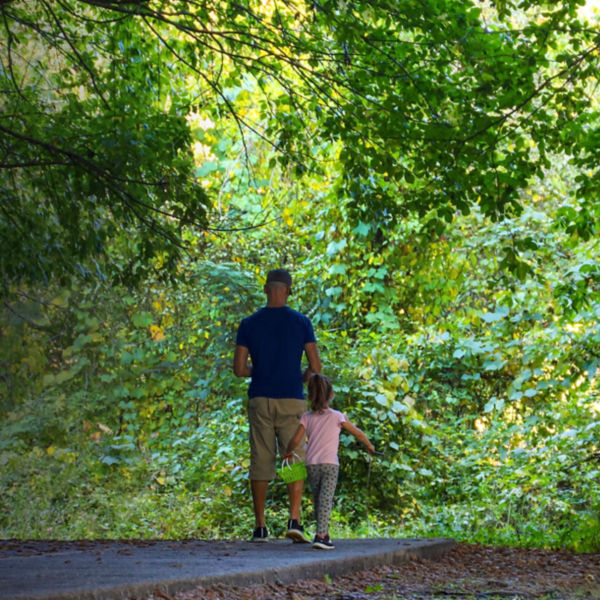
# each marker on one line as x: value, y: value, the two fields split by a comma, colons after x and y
x: 319, y: 392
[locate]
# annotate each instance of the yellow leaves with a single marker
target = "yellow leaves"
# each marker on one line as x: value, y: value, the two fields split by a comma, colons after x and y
x: 157, y: 333
x: 366, y: 373
x: 62, y: 300
x: 454, y: 273
x: 148, y: 410
x: 393, y: 362
x: 384, y: 397
x: 287, y: 216
x: 96, y: 435
x: 480, y: 424
x: 397, y: 364
x: 399, y: 381
x: 202, y: 153
x: 62, y: 454
x: 375, y: 259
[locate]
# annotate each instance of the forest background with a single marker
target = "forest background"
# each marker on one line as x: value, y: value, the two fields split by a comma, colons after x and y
x: 426, y: 169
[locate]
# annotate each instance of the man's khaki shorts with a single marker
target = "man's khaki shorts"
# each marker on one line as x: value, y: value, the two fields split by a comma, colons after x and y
x: 273, y: 422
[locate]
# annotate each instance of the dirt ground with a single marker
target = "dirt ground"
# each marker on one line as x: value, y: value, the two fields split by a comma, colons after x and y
x: 469, y: 572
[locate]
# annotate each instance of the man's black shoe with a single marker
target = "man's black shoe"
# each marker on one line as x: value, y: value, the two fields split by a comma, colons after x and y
x: 295, y: 532
x: 260, y: 535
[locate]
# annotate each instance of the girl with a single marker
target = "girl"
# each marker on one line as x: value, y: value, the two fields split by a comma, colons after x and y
x: 323, y: 425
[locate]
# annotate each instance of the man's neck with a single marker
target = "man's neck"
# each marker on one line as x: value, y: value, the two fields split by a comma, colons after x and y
x: 277, y: 298
x: 276, y: 303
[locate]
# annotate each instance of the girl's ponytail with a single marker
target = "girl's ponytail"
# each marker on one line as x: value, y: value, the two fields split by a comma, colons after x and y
x: 319, y: 392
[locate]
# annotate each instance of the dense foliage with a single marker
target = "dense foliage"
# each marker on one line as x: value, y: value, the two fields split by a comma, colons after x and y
x: 434, y: 105
x: 468, y: 353
x: 124, y: 419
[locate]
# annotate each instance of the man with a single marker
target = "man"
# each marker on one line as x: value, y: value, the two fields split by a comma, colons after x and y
x: 275, y: 338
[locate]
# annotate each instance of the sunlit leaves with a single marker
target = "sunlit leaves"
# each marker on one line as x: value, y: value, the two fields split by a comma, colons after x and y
x: 431, y: 106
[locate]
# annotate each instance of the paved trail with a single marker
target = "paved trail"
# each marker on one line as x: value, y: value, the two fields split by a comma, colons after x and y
x: 112, y: 570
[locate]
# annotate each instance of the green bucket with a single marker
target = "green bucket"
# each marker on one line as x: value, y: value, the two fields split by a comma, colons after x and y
x: 292, y: 471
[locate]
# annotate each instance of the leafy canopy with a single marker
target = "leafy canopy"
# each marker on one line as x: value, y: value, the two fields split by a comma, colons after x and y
x: 435, y: 106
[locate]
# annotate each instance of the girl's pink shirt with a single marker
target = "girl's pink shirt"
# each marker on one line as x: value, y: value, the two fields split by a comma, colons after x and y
x: 323, y: 431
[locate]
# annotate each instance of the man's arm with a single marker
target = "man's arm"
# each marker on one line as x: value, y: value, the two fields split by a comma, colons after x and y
x: 240, y: 362
x: 314, y: 360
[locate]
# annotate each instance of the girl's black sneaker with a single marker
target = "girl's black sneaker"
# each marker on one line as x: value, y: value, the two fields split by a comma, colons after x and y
x: 323, y: 543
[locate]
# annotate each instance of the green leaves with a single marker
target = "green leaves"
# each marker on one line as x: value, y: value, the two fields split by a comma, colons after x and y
x: 425, y: 109
x: 427, y: 171
x: 91, y: 149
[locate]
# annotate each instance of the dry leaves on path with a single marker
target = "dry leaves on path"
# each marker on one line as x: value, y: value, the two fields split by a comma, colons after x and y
x: 469, y: 572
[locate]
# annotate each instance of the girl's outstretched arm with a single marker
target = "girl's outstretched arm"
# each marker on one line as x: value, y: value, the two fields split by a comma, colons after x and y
x: 296, y: 439
x: 359, y: 435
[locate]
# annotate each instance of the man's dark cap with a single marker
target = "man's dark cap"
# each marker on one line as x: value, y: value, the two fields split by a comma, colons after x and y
x: 280, y: 275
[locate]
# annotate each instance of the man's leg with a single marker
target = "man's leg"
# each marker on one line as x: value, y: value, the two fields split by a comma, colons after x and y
x: 259, y: 499
x: 295, y: 495
x: 263, y: 446
x: 295, y: 531
x: 289, y: 411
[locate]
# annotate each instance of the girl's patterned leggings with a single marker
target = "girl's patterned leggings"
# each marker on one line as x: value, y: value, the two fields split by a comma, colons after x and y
x: 323, y: 479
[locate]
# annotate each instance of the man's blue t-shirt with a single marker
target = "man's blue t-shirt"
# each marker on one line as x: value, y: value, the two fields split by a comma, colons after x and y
x: 275, y: 338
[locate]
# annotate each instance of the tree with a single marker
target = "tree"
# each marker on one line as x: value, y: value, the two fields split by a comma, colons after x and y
x: 436, y: 106
x: 94, y: 141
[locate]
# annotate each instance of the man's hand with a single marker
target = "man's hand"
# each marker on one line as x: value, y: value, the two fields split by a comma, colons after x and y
x: 240, y: 362
x: 306, y: 375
